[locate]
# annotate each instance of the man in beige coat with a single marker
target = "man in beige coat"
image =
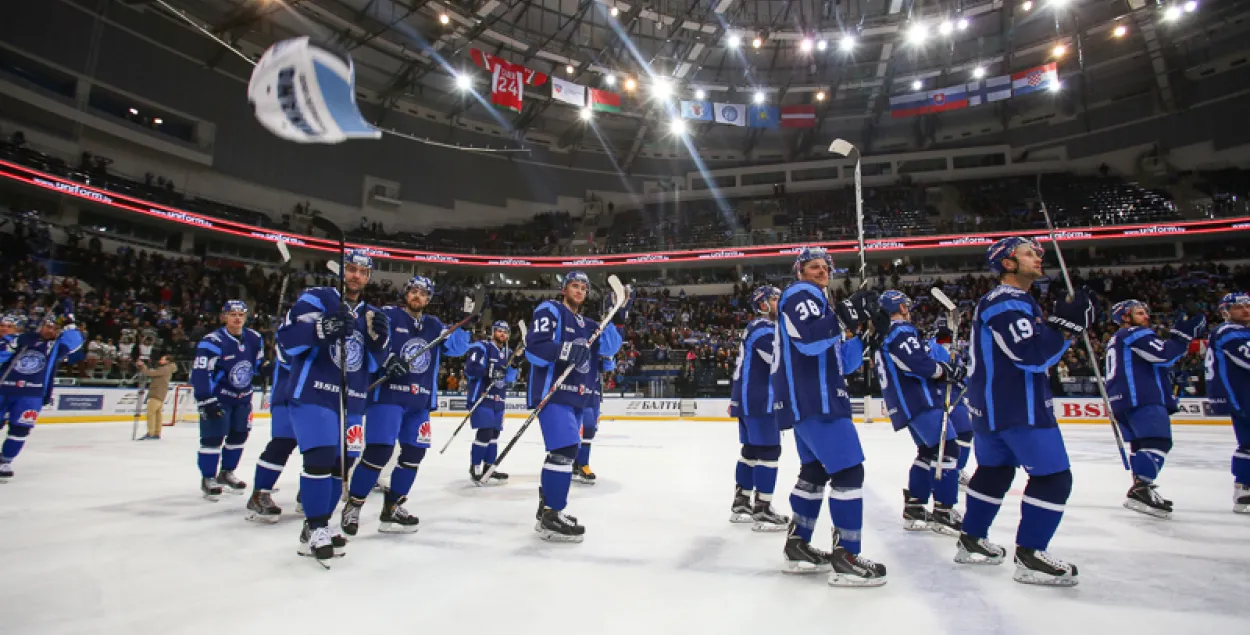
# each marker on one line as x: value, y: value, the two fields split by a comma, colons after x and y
x: 157, y: 389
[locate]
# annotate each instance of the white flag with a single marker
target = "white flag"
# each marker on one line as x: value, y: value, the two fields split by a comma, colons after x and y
x: 731, y: 114
x: 568, y: 92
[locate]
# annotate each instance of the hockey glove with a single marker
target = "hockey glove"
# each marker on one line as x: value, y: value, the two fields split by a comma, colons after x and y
x: 469, y: 309
x: 210, y: 409
x: 378, y: 328
x: 950, y: 373
x: 1190, y: 328
x: 395, y: 368
x: 1072, y: 315
x: 575, y: 353
x: 622, y: 315
x: 336, y: 326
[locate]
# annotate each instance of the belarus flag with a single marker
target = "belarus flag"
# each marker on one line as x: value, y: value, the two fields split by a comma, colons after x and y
x: 1035, y: 79
x: 798, y: 116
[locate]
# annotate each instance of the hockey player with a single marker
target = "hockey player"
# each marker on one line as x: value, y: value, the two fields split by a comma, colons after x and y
x: 1009, y: 398
x: 321, y: 332
x: 959, y: 417
x: 1228, y: 385
x: 399, y: 409
x: 1140, y: 391
x: 913, y: 385
x: 590, y: 422
x: 559, y: 338
x: 260, y: 507
x: 28, y: 365
x: 486, y: 366
x: 812, y: 353
x: 226, y: 360
x: 751, y: 403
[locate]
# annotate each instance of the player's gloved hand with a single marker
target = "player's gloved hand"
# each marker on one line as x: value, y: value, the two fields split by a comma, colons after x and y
x: 1190, y: 328
x: 623, y: 314
x: 951, y: 373
x: 336, y: 326
x: 1072, y: 315
x: 468, y: 309
x: 378, y: 328
x: 210, y: 409
x: 575, y: 353
x: 395, y: 368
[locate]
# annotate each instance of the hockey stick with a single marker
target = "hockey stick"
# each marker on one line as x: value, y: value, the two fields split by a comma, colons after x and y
x: 1089, y: 348
x: 946, y: 411
x: 329, y: 227
x: 622, y: 295
x: 479, y: 301
x: 134, y: 427
x: 277, y: 314
x: 516, y: 353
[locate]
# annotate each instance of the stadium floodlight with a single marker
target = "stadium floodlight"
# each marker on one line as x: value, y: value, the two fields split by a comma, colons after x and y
x: 946, y: 28
x: 962, y: 24
x: 158, y: 121
x: 917, y: 33
x: 978, y: 72
x: 630, y: 84
x: 586, y: 114
x: 1027, y: 6
x: 700, y: 94
x: 847, y: 43
x: 759, y: 97
x: 734, y: 41
x: 463, y: 81
x: 1056, y: 86
x: 615, y: 12
x: 1191, y: 6
x: 444, y: 19
x: 845, y: 148
x: 820, y: 95
x: 677, y: 127
x: 1172, y: 13
x: 134, y: 111
x: 822, y: 45
x: 569, y: 69
x: 1059, y: 50
x: 609, y: 79
x: 757, y: 42
x: 917, y: 84
x: 661, y: 88
x: 1120, y: 31
x: 806, y: 44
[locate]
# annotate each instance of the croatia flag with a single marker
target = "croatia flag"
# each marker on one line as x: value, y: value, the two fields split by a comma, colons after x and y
x: 942, y: 99
x: 1035, y: 79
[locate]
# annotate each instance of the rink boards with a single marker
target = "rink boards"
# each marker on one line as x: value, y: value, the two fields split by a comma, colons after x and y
x: 84, y: 405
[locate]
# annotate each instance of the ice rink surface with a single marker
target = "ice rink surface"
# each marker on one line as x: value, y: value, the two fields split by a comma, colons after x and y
x: 105, y: 535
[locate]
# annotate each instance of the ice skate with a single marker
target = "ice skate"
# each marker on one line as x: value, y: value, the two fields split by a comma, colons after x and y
x: 475, y: 475
x: 316, y: 543
x: 946, y: 520
x: 396, y: 520
x: 497, y: 477
x: 740, y: 511
x: 800, y: 556
x: 766, y: 519
x: 978, y: 551
x: 6, y: 471
x: 1241, y: 498
x: 230, y: 482
x: 210, y: 489
x: 852, y: 569
x: 1142, y: 498
x: 349, y: 520
x: 542, y: 504
x: 583, y: 474
x: 915, y: 516
x: 556, y: 526
x: 262, y: 509
x: 299, y: 504
x: 1039, y: 567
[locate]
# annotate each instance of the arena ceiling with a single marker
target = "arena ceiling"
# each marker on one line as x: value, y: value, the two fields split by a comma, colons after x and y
x: 847, y: 57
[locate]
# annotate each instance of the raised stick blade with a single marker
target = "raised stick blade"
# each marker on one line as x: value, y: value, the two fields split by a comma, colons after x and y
x: 327, y: 225
x: 479, y: 299
x: 520, y: 325
x: 941, y: 297
x: 618, y: 291
x: 286, y: 253
x: 333, y: 266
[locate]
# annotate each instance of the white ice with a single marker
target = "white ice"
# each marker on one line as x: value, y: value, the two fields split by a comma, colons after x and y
x: 99, y: 534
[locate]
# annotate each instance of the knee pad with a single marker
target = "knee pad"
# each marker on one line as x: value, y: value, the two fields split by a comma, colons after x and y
x: 237, y: 438
x: 376, y: 455
x: 1162, y: 444
x: 205, y: 442
x: 484, y: 435
x: 750, y: 452
x: 812, y: 477
x: 410, y: 456
x: 767, y: 452
x: 319, y: 461
x: 850, y: 478
x: 20, y: 432
x: 992, y: 481
x: 1052, y: 488
x: 278, y: 450
x: 562, y: 456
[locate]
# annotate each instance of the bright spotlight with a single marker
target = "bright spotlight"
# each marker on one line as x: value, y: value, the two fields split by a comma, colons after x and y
x: 158, y: 121
x: 1120, y: 31
x: 806, y: 45
x: 847, y: 43
x: 1056, y: 86
x: 1058, y: 4
x: 978, y: 72
x: 586, y: 114
x: 962, y: 24
x: 822, y: 45
x: 630, y: 84
x: 734, y: 41
x: 917, y: 85
x: 917, y: 33
x: 1171, y: 13
x: 615, y: 12
x: 946, y: 27
x: 1059, y: 50
x: 820, y: 96
x: 609, y: 79
x: 134, y: 111
x: 444, y: 19
x: 464, y: 82
x: 757, y: 42
x: 759, y: 97
x: 1191, y: 6
x: 1027, y: 6
x: 677, y: 127
x: 661, y: 89
x: 700, y: 94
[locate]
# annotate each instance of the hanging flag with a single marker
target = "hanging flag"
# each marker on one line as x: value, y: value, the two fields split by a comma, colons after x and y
x: 932, y: 101
x: 604, y: 101
x: 1035, y: 79
x: 988, y: 90
x: 732, y: 114
x: 762, y: 116
x: 697, y: 110
x: 487, y: 61
x: 798, y: 116
x: 568, y: 92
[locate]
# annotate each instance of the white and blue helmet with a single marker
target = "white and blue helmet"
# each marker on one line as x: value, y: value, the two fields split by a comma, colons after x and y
x: 893, y: 301
x: 502, y: 325
x: 808, y: 254
x: 234, y: 305
x: 1006, y: 248
x: 1125, y: 307
x: 358, y: 257
x: 576, y: 276
x: 1236, y: 298
x: 418, y: 282
x: 762, y: 295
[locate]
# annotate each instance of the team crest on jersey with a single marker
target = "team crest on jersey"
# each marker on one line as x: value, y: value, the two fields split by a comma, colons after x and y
x: 355, y: 352
x: 424, y: 434
x: 241, y: 375
x: 28, y: 417
x: 583, y: 367
x: 30, y: 362
x: 416, y: 364
x: 355, y: 438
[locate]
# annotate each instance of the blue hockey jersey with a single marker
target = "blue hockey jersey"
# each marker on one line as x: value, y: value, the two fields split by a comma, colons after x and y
x: 33, y: 361
x: 314, y: 363
x: 225, y: 365
x: 1228, y: 369
x: 907, y: 370
x: 1136, y: 372
x: 419, y: 389
x: 752, y: 392
x: 281, y: 375
x: 939, y: 353
x: 1010, y: 353
x: 811, y: 356
x: 553, y: 325
x: 481, y: 359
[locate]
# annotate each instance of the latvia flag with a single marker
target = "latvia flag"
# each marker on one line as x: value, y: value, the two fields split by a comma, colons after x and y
x: 798, y: 116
